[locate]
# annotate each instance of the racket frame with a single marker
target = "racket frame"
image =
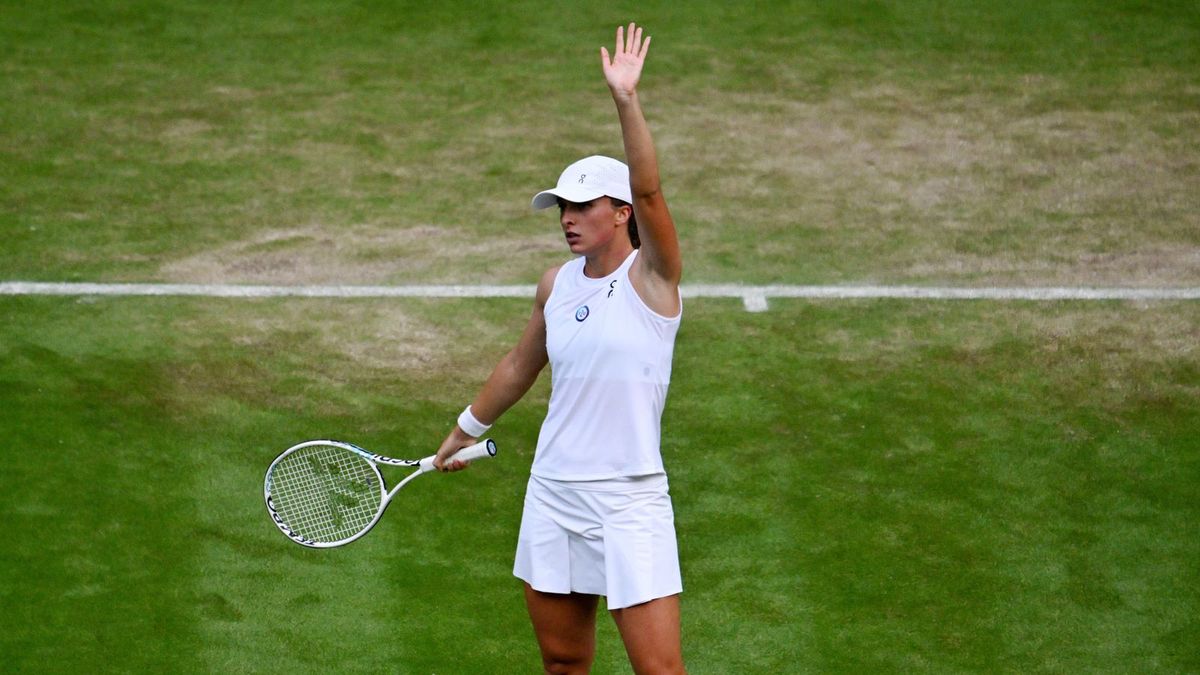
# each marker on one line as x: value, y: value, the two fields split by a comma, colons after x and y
x: 484, y: 448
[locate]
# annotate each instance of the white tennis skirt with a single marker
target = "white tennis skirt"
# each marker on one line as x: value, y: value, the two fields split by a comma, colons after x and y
x: 614, y: 538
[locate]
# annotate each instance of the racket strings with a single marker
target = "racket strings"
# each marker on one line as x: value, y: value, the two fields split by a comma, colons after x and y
x: 325, y: 493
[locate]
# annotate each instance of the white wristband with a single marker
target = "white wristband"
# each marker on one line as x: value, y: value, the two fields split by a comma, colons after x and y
x: 468, y: 423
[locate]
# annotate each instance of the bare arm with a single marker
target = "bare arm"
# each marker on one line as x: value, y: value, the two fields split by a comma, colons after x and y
x: 660, y: 261
x: 511, y: 378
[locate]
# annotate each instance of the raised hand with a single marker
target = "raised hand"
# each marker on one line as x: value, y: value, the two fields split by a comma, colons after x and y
x: 623, y: 68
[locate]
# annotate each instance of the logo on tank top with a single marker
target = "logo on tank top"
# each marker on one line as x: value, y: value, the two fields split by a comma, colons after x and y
x: 582, y: 313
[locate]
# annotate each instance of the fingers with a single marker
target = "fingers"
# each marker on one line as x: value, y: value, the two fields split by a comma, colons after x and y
x: 454, y: 465
x: 623, y: 66
x: 629, y: 41
x: 450, y: 465
x: 444, y: 460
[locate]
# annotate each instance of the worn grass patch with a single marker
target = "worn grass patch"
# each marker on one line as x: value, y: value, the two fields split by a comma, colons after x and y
x: 892, y: 184
x: 1047, y: 144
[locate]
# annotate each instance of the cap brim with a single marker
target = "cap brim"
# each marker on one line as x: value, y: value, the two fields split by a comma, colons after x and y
x: 547, y: 198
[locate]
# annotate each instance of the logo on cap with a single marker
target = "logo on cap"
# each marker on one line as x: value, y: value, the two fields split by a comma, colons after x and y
x: 582, y: 176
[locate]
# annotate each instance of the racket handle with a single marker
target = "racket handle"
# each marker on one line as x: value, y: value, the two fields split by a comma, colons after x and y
x: 484, y: 448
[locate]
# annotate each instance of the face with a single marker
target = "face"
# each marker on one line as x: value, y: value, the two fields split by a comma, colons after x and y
x: 590, y: 226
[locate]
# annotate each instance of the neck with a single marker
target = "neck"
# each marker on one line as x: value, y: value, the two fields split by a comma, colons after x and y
x: 602, y: 264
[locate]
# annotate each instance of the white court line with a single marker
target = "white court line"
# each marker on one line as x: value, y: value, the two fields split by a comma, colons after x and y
x: 754, y: 298
x: 252, y: 291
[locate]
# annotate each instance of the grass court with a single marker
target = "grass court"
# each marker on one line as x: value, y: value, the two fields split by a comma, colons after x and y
x: 860, y: 485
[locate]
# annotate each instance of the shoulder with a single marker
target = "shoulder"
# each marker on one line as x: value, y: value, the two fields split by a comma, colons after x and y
x: 546, y: 285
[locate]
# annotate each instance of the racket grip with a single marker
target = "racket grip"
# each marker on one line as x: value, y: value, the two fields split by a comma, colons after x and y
x: 484, y: 448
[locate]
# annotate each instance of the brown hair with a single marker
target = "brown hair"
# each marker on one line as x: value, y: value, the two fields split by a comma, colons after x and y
x: 633, y: 232
x: 616, y: 203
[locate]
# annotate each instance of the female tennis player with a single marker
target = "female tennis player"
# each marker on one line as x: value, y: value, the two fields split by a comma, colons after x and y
x: 598, y: 518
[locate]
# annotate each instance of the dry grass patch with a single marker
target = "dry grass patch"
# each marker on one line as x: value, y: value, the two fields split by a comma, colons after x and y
x: 323, y: 350
x: 365, y: 335
x: 365, y: 254
x: 911, y: 186
x: 883, y: 183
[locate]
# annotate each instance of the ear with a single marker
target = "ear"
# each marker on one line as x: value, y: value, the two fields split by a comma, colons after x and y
x: 623, y: 214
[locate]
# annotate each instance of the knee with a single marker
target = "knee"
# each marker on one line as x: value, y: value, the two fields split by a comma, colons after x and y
x: 660, y: 665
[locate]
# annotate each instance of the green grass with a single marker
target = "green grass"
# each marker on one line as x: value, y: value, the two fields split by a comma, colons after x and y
x: 920, y: 141
x: 860, y: 486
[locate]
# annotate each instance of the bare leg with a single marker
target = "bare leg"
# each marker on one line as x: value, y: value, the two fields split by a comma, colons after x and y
x: 651, y: 635
x: 565, y: 626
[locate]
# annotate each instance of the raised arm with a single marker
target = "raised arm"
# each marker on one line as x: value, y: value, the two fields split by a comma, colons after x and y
x: 660, y: 262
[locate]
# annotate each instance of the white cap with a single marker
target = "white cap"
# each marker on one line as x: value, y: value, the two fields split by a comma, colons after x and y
x: 587, y: 179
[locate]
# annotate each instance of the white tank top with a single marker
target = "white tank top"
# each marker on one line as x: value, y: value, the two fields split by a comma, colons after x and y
x: 610, y: 362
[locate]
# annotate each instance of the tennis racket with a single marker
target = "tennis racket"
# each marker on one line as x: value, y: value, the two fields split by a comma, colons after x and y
x: 323, y: 494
